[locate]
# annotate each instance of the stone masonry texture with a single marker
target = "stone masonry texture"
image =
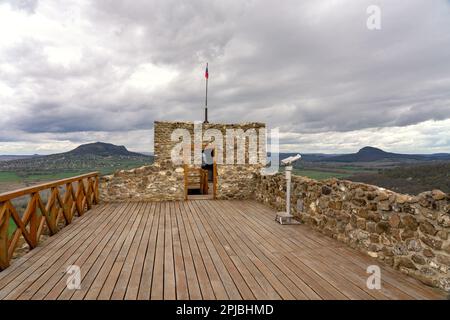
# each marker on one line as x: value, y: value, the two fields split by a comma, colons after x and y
x: 409, y: 233
x: 165, y: 181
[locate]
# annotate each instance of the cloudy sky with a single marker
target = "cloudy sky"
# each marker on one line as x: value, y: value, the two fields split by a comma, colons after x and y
x: 82, y: 71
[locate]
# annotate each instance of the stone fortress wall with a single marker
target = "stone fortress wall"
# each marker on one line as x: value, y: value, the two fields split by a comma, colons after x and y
x: 409, y: 233
x: 164, y: 180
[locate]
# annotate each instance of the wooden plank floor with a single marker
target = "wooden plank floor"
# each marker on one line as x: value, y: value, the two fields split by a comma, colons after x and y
x: 197, y: 250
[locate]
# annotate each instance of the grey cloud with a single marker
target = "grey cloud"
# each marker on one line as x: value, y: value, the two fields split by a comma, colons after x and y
x: 308, y: 67
x: 26, y: 5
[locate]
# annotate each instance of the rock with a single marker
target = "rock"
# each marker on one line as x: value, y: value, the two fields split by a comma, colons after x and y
x: 362, y: 213
x: 446, y: 248
x: 389, y: 261
x: 374, y: 216
x: 444, y: 284
x: 425, y: 277
x: 348, y: 228
x: 442, y: 234
x: 395, y: 233
x: 374, y: 238
x: 370, y: 196
x: 428, y: 253
x: 394, y: 220
x: 383, y: 227
x: 425, y: 199
x: 444, y: 259
x: 382, y: 196
x: 359, y: 202
x: 361, y: 223
x: 336, y: 205
x: 371, y: 226
x: 427, y: 228
x: 326, y: 190
x: 402, y: 198
x: 404, y: 262
x: 433, y: 243
x: 413, y: 245
x: 400, y: 250
x: 387, y: 252
x: 444, y: 220
x: 409, y: 222
x: 407, y: 234
x: 418, y: 259
x: 428, y: 213
x: 384, y: 206
x: 362, y: 235
x: 438, y: 195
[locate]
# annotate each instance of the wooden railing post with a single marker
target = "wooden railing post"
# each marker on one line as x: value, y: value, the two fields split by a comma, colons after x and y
x: 31, y: 224
x: 31, y: 214
x: 97, y: 191
x: 4, y: 226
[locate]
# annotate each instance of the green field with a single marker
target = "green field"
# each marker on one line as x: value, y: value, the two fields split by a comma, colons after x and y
x: 319, y: 175
x: 35, y: 175
x: 9, y: 177
x: 12, y: 226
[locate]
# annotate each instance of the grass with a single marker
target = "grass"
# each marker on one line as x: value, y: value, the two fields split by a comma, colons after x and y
x: 51, y: 176
x: 319, y: 175
x: 9, y: 177
x: 57, y: 174
x: 12, y: 226
x: 357, y: 169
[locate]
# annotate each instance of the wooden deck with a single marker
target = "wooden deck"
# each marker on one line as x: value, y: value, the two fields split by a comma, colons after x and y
x: 197, y: 250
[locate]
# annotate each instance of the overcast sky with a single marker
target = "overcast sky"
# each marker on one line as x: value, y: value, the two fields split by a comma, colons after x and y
x: 81, y: 71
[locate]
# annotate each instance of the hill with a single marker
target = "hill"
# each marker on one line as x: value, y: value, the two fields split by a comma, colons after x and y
x: 15, y: 157
x: 99, y: 156
x: 411, y: 179
x: 407, y: 173
x: 371, y: 154
x: 103, y: 150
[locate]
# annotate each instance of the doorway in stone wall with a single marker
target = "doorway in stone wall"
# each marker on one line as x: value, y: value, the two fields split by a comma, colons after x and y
x: 201, y: 181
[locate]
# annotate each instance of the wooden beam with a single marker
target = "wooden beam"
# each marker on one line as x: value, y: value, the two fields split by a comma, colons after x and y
x: 24, y: 191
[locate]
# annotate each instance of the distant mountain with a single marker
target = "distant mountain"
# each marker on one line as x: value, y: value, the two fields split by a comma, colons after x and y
x: 147, y: 153
x: 102, y: 149
x: 85, y: 157
x: 312, y: 157
x: 370, y: 154
x: 410, y: 178
x: 15, y: 157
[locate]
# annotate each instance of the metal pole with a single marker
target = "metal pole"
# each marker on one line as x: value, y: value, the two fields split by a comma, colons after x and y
x: 288, y: 189
x: 206, y: 99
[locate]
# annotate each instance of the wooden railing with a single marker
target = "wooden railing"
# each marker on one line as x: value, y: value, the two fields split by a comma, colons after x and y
x: 65, y: 200
x: 195, y: 178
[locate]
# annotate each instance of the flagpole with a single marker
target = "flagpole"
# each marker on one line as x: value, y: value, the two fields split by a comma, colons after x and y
x: 206, y: 98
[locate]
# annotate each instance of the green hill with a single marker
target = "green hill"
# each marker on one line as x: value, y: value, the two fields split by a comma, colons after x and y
x: 99, y: 156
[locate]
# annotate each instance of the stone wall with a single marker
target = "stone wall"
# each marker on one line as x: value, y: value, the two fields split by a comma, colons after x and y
x: 409, y: 233
x: 236, y: 182
x: 148, y: 183
x: 163, y: 143
x: 165, y: 181
x: 233, y: 181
